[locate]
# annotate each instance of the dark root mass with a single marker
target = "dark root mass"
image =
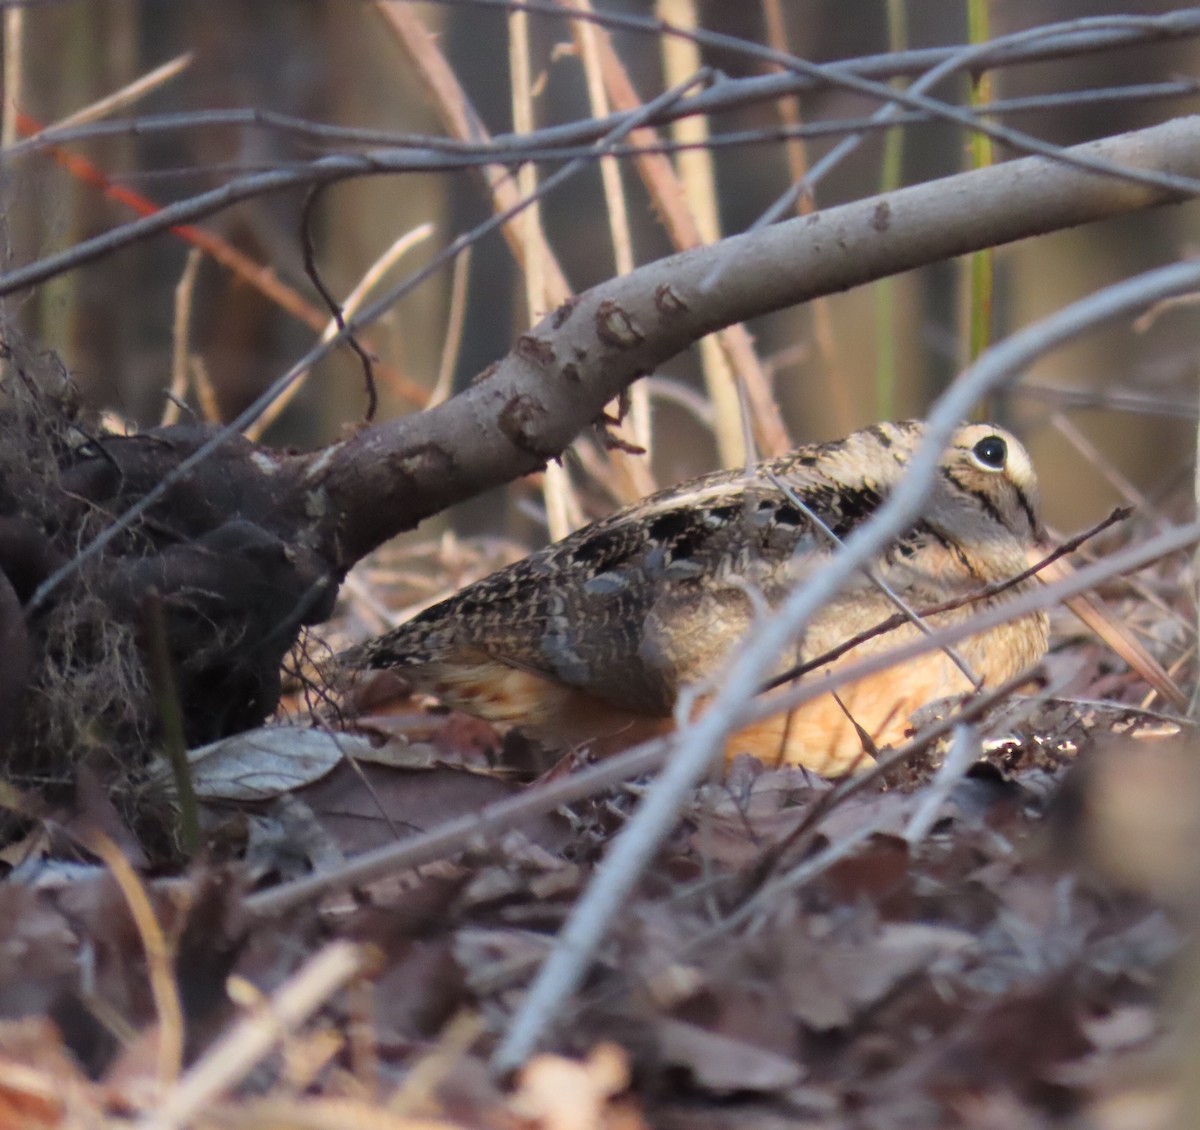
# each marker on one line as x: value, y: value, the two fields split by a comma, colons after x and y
x: 219, y: 563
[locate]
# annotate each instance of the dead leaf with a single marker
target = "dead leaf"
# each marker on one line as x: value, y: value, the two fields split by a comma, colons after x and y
x: 368, y: 805
x: 723, y: 1064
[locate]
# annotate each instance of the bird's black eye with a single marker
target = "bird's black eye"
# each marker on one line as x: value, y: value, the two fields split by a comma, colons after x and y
x: 991, y: 451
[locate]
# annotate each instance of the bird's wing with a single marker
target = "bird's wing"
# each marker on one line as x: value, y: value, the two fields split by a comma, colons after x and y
x: 632, y: 606
x: 635, y: 605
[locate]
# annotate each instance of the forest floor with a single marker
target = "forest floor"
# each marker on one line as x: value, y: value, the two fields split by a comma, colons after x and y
x: 1004, y: 946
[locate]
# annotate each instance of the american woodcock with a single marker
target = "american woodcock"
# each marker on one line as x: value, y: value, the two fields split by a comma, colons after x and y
x: 593, y: 638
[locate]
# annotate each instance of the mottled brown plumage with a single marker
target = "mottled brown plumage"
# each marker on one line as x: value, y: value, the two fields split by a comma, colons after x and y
x: 593, y: 637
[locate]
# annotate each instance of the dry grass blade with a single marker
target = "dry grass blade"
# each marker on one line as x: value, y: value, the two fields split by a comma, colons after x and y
x: 639, y: 480
x: 158, y: 956
x: 544, y: 288
x: 455, y: 322
x: 697, y: 180
x: 181, y: 338
x: 837, y: 384
x: 229, y: 1061
x: 371, y: 278
x: 544, y: 274
x: 127, y: 95
x: 454, y: 107
x: 1091, y: 610
x: 667, y: 194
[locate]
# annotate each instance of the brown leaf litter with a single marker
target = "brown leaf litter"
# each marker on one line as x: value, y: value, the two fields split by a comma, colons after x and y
x: 801, y: 953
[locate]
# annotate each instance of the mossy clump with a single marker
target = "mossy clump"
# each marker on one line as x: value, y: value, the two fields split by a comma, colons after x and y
x: 83, y: 692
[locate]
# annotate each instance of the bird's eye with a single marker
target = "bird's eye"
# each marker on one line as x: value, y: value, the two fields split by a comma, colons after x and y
x: 991, y: 452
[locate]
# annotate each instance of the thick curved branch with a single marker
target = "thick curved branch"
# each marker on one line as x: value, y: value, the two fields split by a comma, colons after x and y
x: 555, y: 383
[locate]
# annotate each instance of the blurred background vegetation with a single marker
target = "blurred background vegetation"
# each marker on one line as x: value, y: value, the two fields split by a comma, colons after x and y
x: 836, y: 366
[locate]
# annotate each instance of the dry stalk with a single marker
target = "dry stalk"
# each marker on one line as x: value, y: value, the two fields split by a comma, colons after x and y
x: 160, y: 960
x: 697, y: 182
x: 836, y: 385
x: 636, y: 844
x: 669, y: 200
x: 236, y: 1054
x: 456, y: 318
x: 503, y: 815
x: 637, y: 475
x: 353, y: 303
x: 181, y: 346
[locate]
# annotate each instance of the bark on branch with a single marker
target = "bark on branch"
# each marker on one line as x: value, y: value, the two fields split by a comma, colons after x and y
x: 244, y: 545
x: 559, y: 376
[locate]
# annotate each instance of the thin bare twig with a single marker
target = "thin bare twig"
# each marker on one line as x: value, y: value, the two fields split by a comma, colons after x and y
x: 907, y: 613
x: 964, y: 751
x: 309, y: 252
x: 834, y: 73
x: 181, y: 345
x: 159, y: 959
x: 968, y: 56
x: 353, y: 302
x: 316, y: 353
x: 635, y: 845
x: 455, y: 321
x: 976, y: 706
x: 1118, y: 636
x: 995, y: 588
x: 559, y: 142
x: 237, y: 1053
x: 454, y: 835
x: 346, y: 166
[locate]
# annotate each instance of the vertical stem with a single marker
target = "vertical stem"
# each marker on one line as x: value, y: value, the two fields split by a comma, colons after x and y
x: 562, y: 511
x: 681, y: 58
x: 162, y: 677
x: 885, y: 289
x: 1194, y: 705
x: 14, y: 34
x: 837, y: 383
x: 980, y: 263
x: 181, y: 348
x: 14, y: 75
x: 635, y: 468
x: 659, y: 176
x: 529, y: 223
